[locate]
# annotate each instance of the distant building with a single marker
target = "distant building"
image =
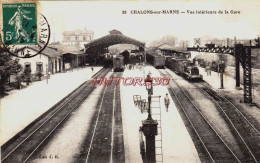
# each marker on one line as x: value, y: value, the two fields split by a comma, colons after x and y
x: 166, y: 49
x: 48, y: 60
x: 77, y: 37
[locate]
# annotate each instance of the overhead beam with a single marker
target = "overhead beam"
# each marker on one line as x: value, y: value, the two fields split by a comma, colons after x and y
x: 243, y: 56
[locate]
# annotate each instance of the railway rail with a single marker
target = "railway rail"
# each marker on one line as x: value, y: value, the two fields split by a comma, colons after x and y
x: 248, y: 133
x: 106, y: 140
x: 216, y: 148
x: 27, y: 142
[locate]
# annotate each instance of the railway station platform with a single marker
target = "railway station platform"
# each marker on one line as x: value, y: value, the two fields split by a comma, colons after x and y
x: 21, y: 107
x: 177, y: 145
x: 214, y: 80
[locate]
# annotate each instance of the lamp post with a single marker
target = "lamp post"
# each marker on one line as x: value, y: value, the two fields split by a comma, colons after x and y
x: 149, y: 88
x: 221, y: 70
x: 149, y: 127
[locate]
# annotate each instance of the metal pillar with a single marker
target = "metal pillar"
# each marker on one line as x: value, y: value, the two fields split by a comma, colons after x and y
x: 247, y: 75
x: 150, y: 148
x: 149, y: 129
x: 238, y: 49
x: 244, y: 54
x: 237, y: 71
x: 221, y: 70
x: 221, y: 81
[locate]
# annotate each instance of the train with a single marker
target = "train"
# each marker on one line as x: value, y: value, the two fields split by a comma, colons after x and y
x: 118, y: 63
x: 184, y: 67
x: 158, y: 61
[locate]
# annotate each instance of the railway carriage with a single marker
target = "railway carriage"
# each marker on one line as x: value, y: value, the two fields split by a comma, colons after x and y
x: 158, y: 61
x: 118, y: 63
x: 168, y: 61
x: 176, y: 65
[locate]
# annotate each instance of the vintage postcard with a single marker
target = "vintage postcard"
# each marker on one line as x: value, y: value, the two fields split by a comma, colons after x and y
x: 174, y: 81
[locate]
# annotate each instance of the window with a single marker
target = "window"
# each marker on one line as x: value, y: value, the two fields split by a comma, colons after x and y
x: 27, y: 65
x: 27, y: 68
x: 76, y: 38
x: 39, y: 67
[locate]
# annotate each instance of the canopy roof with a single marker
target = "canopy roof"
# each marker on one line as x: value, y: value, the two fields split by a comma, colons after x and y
x: 48, y: 51
x: 115, y: 37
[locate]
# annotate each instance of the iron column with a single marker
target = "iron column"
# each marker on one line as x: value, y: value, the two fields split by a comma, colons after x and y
x: 149, y: 127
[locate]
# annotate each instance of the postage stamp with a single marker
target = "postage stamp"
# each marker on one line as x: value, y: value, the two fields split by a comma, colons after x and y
x: 19, y: 23
x: 24, y: 28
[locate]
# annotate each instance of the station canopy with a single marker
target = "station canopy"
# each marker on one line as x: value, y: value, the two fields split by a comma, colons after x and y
x: 115, y: 37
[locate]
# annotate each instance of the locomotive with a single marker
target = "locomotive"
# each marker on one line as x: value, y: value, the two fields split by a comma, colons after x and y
x: 183, y: 67
x: 158, y: 61
x: 118, y: 63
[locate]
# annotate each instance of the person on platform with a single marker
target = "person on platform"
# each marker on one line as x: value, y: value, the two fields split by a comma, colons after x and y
x: 167, y: 102
x: 208, y: 69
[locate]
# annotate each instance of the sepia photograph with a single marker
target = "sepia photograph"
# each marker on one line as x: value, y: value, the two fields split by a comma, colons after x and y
x: 130, y: 81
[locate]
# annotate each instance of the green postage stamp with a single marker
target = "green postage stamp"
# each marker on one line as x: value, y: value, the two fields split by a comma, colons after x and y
x: 19, y: 23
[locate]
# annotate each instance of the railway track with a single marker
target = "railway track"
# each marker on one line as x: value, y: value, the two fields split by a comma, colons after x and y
x: 27, y: 142
x: 106, y: 141
x: 247, y: 132
x: 216, y: 148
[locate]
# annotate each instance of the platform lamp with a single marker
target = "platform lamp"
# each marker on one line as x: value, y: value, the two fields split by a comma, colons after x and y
x: 221, y: 70
x: 149, y: 126
x: 149, y: 88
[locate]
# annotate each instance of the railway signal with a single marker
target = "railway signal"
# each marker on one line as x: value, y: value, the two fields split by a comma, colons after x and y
x: 197, y: 41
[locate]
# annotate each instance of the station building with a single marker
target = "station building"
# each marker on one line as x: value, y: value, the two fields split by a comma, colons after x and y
x: 72, y: 56
x: 49, y: 59
x: 77, y: 37
x: 55, y: 59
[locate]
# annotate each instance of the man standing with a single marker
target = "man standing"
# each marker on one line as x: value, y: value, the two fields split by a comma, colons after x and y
x: 167, y: 102
x: 208, y: 69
